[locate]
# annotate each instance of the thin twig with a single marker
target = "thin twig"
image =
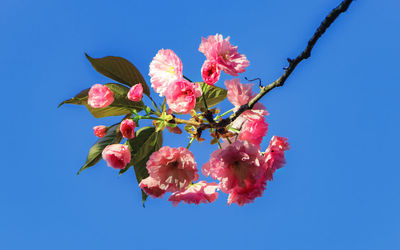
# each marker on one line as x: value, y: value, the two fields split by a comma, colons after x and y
x: 329, y: 19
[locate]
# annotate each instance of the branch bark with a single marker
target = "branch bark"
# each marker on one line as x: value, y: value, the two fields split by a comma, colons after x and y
x: 329, y: 19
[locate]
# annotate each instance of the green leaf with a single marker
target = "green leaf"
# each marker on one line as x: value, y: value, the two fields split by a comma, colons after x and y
x: 112, y: 136
x: 144, y: 197
x: 213, y: 95
x: 120, y: 70
x: 120, y: 106
x: 145, y: 142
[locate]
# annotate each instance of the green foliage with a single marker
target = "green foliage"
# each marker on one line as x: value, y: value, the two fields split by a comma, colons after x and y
x: 120, y: 70
x: 112, y: 136
x: 146, y: 141
x: 121, y: 105
x: 212, y: 94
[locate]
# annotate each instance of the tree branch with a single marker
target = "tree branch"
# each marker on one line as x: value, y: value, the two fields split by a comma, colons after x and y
x: 329, y: 19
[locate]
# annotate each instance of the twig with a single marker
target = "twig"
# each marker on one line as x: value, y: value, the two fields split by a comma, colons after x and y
x: 329, y: 19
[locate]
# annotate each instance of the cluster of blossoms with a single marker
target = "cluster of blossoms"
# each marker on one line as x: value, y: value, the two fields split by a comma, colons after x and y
x: 241, y: 166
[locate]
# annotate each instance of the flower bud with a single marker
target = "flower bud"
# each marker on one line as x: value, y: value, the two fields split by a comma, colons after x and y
x: 210, y: 72
x: 100, y: 96
x: 117, y: 155
x: 136, y: 93
x: 128, y: 128
x: 100, y: 130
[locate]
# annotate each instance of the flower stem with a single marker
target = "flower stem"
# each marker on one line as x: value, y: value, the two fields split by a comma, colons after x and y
x: 234, y: 130
x: 150, y: 118
x: 190, y: 142
x: 187, y: 78
x: 227, y: 112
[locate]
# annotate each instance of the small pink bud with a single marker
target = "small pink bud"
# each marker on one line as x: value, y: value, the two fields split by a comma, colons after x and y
x: 100, y: 130
x: 136, y: 93
x: 117, y: 155
x: 128, y: 128
x: 100, y: 96
x: 151, y: 187
x: 210, y: 72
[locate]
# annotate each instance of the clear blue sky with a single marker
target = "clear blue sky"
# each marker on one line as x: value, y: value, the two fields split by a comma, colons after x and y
x: 339, y: 109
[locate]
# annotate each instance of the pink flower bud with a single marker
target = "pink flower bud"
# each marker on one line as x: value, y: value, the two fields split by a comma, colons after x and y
x: 136, y: 93
x: 100, y: 130
x: 151, y: 187
x: 117, y: 155
x: 128, y: 128
x: 210, y: 72
x: 100, y: 96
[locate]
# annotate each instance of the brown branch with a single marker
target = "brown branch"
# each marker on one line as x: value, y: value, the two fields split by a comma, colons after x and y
x: 329, y: 19
x: 187, y: 122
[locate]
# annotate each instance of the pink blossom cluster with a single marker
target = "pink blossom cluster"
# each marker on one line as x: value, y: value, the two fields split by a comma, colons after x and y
x: 174, y: 170
x: 167, y: 78
x: 240, y: 167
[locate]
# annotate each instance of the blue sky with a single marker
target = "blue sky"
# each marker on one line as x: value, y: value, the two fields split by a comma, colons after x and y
x: 339, y: 109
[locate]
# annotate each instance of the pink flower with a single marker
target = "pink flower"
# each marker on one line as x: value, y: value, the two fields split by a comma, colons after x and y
x: 224, y: 54
x: 173, y: 168
x: 254, y: 130
x: 100, y: 130
x: 210, y: 72
x: 181, y: 96
x: 200, y: 192
x: 275, y: 153
x: 136, y: 93
x: 117, y: 155
x: 165, y: 68
x: 256, y: 112
x: 235, y: 165
x: 128, y: 128
x: 252, y: 125
x: 151, y: 187
x: 247, y: 194
x: 197, y: 89
x: 238, y: 94
x: 100, y: 96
